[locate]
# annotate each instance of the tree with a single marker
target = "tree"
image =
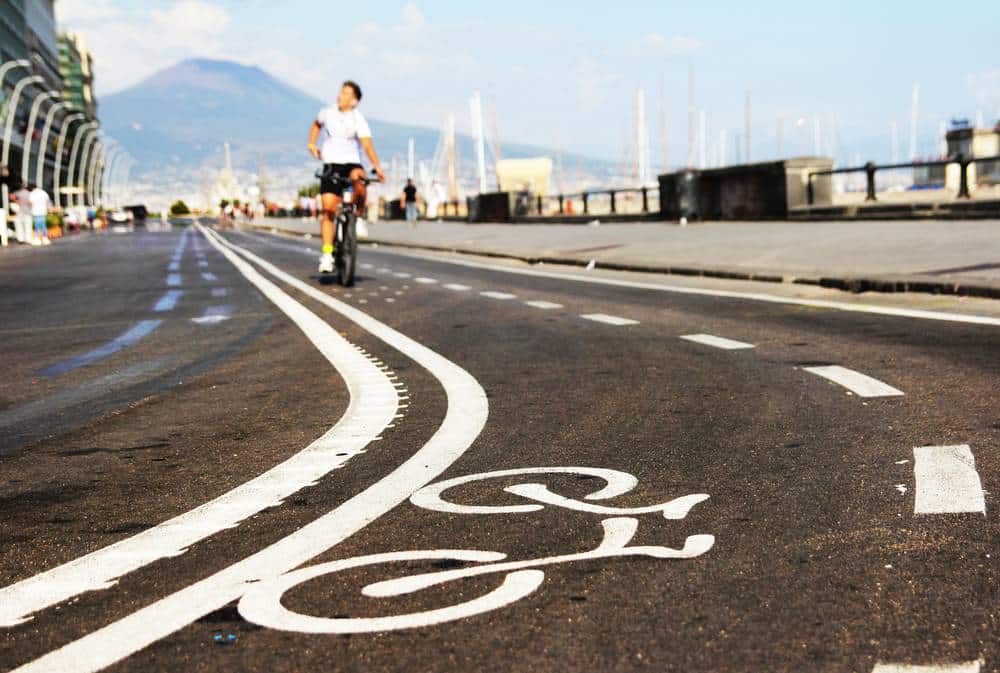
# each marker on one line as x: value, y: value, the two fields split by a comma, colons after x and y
x: 179, y: 208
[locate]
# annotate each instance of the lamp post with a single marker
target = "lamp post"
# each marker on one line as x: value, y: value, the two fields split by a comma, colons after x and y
x: 44, y: 142
x: 32, y: 118
x: 116, y: 154
x: 81, y: 130
x: 85, y: 167
x: 69, y: 119
x: 10, y: 112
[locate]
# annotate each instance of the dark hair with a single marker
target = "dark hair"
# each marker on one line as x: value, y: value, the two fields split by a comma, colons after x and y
x: 355, y: 88
x: 31, y: 186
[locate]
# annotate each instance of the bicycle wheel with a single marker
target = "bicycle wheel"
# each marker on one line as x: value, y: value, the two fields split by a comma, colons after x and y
x: 347, y: 248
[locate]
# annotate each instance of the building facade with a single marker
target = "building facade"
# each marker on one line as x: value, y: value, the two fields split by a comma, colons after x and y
x: 76, y: 69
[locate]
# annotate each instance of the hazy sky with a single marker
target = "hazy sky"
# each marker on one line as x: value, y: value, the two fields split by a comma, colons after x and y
x: 569, y: 70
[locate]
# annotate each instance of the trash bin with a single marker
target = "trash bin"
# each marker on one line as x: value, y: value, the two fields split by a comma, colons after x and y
x: 679, y: 195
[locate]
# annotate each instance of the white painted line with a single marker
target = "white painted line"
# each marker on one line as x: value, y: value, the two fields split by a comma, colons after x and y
x: 497, y: 295
x: 174, y: 266
x: 730, y: 294
x: 609, y: 319
x: 947, y: 481
x: 372, y: 407
x: 717, y: 342
x: 202, y: 263
x: 966, y: 667
x: 858, y: 383
x: 457, y: 287
x: 174, y: 280
x: 544, y: 305
x: 425, y: 281
x: 401, y: 275
x: 465, y: 416
x: 220, y: 291
x: 209, y: 276
x: 363, y: 266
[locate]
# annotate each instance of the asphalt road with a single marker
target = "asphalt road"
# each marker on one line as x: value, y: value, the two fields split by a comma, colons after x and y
x: 209, y: 462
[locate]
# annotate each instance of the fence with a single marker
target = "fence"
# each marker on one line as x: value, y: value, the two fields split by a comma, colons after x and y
x: 931, y: 177
x: 626, y: 201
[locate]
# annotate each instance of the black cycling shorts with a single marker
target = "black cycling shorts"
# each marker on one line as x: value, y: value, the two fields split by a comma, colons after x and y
x: 329, y: 186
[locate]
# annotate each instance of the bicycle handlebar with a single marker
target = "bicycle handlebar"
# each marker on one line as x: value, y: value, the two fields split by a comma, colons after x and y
x: 321, y: 174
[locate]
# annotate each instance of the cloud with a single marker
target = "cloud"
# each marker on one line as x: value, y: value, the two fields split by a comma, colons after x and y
x: 655, y: 44
x: 594, y: 82
x: 86, y: 10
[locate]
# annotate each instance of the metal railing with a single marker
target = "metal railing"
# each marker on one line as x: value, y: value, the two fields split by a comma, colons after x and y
x: 617, y: 201
x: 870, y: 169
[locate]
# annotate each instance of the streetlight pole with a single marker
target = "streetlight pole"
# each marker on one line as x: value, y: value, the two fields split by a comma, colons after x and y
x: 85, y: 167
x: 44, y: 146
x: 10, y: 112
x: 80, y: 131
x: 32, y: 118
x: 69, y: 119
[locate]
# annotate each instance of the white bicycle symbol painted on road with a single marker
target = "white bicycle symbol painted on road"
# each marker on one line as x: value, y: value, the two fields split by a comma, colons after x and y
x: 261, y: 603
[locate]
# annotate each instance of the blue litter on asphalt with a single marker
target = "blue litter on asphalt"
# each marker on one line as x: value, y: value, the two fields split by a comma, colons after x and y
x: 138, y: 332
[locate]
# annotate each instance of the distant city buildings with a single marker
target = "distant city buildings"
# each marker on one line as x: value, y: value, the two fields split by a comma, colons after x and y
x: 64, y: 66
x: 75, y: 67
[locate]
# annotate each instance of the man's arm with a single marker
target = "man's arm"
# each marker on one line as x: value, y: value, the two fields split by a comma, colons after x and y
x: 313, y: 137
x: 369, y: 148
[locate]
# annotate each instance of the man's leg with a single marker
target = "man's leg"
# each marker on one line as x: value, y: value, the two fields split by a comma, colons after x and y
x: 360, y: 189
x: 331, y: 202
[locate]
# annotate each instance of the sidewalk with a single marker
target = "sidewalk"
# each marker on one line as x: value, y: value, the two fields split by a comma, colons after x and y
x: 947, y: 257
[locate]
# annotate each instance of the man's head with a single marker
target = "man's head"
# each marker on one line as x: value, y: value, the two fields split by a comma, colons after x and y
x: 31, y: 186
x: 349, y: 96
x: 409, y: 182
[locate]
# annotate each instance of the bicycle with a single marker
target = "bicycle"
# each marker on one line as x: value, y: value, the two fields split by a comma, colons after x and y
x: 345, y: 235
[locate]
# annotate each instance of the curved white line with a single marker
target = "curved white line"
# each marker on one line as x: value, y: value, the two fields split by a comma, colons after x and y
x: 373, y: 404
x: 464, y: 420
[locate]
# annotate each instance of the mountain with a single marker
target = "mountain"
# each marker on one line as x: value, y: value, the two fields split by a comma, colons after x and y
x: 181, y: 116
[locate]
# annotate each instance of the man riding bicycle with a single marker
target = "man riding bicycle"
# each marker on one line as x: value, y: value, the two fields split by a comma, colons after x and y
x: 345, y: 131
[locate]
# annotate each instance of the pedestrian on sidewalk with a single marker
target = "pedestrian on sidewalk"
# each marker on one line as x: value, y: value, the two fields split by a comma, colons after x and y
x: 410, y: 202
x: 40, y: 204
x: 22, y: 220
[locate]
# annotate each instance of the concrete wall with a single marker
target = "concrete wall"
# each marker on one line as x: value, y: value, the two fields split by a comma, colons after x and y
x: 762, y: 190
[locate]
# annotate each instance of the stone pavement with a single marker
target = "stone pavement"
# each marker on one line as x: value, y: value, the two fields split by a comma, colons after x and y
x: 949, y: 257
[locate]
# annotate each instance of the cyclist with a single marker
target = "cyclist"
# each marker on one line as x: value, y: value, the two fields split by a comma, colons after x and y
x: 344, y: 132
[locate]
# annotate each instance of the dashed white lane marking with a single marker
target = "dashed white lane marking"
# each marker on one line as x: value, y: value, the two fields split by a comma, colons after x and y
x: 363, y: 266
x: 609, y: 319
x: 425, y: 281
x: 372, y: 406
x: 209, y: 277
x: 220, y: 291
x: 544, y: 305
x: 174, y: 266
x: 946, y: 480
x: 497, y: 295
x: 466, y: 414
x: 401, y: 275
x: 174, y: 280
x: 202, y: 263
x: 457, y: 287
x: 751, y: 296
x: 390, y: 300
x: 858, y: 383
x: 965, y: 667
x: 717, y: 342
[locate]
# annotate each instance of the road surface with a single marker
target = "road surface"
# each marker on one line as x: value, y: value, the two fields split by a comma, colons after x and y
x: 212, y: 462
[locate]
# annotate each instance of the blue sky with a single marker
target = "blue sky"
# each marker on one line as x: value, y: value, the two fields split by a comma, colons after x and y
x: 568, y: 71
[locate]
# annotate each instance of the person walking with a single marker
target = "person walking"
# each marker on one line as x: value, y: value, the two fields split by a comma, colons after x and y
x: 410, y: 202
x: 40, y: 203
x: 22, y: 221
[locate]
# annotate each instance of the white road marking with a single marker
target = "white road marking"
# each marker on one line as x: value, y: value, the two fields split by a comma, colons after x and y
x: 497, y: 295
x: 465, y: 416
x: 457, y: 287
x: 209, y: 276
x: 966, y: 667
x: 609, y: 319
x: 372, y: 406
x: 425, y: 281
x: 202, y: 263
x: 919, y: 314
x: 174, y: 280
x: 716, y: 341
x: 544, y: 305
x: 363, y: 266
x: 946, y: 480
x: 210, y: 319
x: 220, y: 291
x: 174, y: 266
x: 390, y: 300
x: 401, y: 275
x: 858, y: 383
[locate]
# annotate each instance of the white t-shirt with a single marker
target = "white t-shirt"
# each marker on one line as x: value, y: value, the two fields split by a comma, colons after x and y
x: 341, y: 135
x: 39, y: 202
